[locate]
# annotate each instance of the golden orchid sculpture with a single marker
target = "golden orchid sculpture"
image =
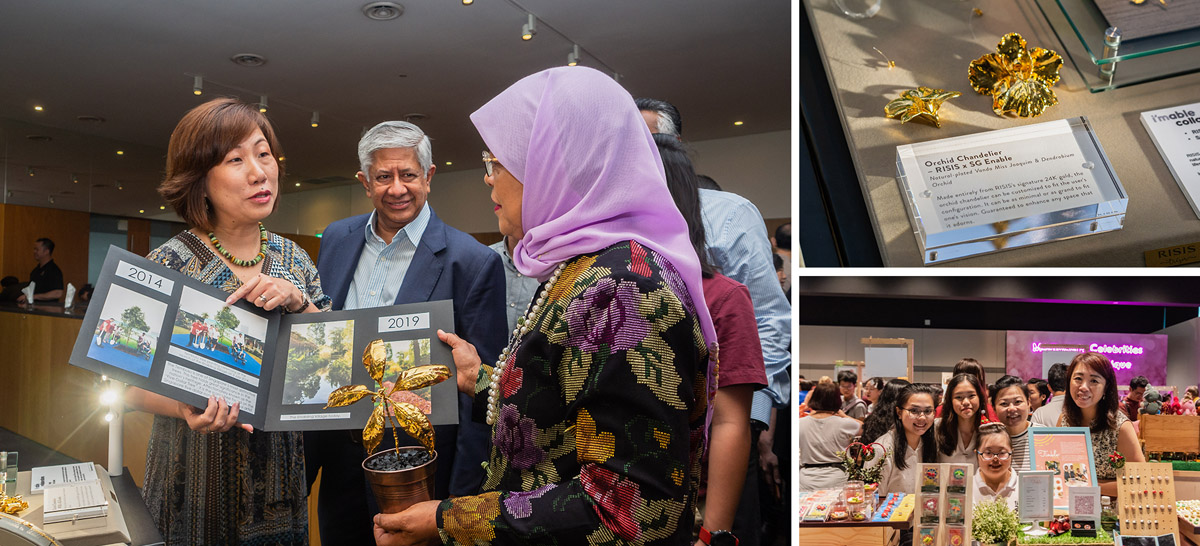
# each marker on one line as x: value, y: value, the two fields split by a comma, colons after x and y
x: 921, y: 104
x: 1018, y: 79
x: 403, y: 415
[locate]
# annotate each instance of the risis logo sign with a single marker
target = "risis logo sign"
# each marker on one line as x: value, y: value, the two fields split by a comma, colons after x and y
x: 1110, y: 350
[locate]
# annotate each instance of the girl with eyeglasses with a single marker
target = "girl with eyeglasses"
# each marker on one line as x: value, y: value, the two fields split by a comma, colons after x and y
x: 994, y: 478
x: 910, y: 442
x: 955, y: 429
x: 1093, y: 403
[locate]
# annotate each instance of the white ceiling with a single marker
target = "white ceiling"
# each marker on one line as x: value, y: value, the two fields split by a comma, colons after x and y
x: 129, y: 62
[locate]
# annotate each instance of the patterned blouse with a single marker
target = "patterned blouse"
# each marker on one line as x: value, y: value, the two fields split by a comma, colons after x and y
x: 1104, y: 444
x: 231, y: 487
x: 600, y: 414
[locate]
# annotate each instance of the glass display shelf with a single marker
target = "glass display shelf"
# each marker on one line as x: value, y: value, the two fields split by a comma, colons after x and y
x: 1081, y: 27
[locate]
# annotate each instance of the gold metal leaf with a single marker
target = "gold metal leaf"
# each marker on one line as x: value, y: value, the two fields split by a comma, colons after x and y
x: 420, y: 377
x: 344, y: 396
x: 415, y: 423
x: 921, y: 103
x: 1018, y: 79
x: 373, y: 432
x: 375, y: 358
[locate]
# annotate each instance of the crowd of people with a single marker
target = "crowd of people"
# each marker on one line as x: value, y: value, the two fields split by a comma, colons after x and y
x: 967, y: 421
x: 653, y: 348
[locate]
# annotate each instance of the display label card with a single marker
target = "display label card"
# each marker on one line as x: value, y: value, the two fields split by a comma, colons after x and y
x: 1036, y: 487
x: 1001, y: 175
x: 1184, y: 254
x: 155, y: 328
x: 1176, y: 133
x: 46, y: 476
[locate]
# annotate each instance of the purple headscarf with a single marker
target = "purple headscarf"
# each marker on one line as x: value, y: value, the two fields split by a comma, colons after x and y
x: 591, y: 172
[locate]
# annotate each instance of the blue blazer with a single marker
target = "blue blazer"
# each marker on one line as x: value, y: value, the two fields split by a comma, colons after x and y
x: 448, y: 265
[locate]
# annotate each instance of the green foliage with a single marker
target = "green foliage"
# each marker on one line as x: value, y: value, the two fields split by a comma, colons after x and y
x: 316, y: 332
x: 134, y: 318
x: 1066, y: 538
x: 994, y: 522
x: 304, y: 359
x: 338, y: 369
x: 226, y: 320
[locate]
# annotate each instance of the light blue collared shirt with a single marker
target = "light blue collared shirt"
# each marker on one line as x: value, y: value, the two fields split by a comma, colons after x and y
x: 382, y: 266
x: 518, y: 289
x: 737, y: 242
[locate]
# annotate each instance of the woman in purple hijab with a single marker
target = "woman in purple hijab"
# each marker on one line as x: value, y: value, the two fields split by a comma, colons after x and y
x: 598, y: 404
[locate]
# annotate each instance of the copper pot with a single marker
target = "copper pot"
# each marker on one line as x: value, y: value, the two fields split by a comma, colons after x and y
x: 396, y: 490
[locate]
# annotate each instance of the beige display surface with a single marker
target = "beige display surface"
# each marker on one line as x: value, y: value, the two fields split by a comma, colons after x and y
x: 932, y: 44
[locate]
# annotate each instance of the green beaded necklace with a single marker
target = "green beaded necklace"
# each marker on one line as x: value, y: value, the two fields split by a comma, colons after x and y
x: 262, y: 249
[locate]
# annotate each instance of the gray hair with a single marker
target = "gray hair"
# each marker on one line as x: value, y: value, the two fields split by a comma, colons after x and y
x: 394, y: 134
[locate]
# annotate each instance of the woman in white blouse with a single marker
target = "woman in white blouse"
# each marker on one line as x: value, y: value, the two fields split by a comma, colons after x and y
x: 910, y: 442
x: 961, y: 415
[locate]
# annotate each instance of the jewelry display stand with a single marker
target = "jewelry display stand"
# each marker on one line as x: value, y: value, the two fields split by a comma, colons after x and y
x: 1146, y: 500
x: 944, y: 504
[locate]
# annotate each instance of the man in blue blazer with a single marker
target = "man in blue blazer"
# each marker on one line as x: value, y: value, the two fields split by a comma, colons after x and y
x: 402, y: 253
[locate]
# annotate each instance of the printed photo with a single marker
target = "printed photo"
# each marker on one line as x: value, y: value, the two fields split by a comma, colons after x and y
x: 320, y: 355
x: 402, y: 355
x: 229, y: 335
x: 128, y: 330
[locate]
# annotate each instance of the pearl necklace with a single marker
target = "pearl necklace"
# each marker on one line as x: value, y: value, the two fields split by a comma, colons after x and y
x: 524, y: 324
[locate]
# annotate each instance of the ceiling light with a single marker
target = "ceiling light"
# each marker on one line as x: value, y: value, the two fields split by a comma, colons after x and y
x: 738, y: 123
x: 141, y: 211
x: 468, y: 2
x: 30, y: 171
x: 120, y: 152
x: 198, y: 85
x: 529, y: 29
x: 262, y: 104
x: 573, y: 56
x: 383, y: 11
x: 449, y: 163
x: 281, y: 158
x: 162, y: 207
x: 38, y: 108
x: 75, y: 178
x: 50, y: 198
x: 297, y: 184
x: 316, y: 119
x: 120, y: 186
x: 249, y: 59
x: 108, y: 417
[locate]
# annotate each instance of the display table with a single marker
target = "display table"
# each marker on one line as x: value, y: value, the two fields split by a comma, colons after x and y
x: 932, y: 44
x: 868, y: 533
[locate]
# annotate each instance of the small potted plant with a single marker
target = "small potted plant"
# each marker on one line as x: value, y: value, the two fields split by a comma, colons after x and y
x: 401, y: 476
x: 855, y: 461
x: 995, y: 523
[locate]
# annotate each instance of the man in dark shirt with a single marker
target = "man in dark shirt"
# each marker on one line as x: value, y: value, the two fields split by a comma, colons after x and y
x: 47, y: 277
x: 1137, y: 393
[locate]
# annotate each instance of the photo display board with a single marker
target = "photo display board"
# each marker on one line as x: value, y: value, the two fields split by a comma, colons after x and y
x: 1067, y: 452
x: 157, y: 329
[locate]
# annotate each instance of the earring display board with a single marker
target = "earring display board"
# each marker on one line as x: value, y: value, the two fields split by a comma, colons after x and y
x: 944, y: 504
x: 1146, y: 500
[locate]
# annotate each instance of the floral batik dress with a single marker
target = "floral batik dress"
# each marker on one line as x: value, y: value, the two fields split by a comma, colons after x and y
x: 600, y: 413
x: 230, y: 487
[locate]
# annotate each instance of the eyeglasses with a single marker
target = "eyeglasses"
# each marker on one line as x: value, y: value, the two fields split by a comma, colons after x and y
x: 488, y: 159
x: 919, y: 412
x: 987, y: 456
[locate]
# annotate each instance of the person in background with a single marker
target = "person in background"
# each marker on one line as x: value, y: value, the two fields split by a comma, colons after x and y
x: 1038, y: 391
x: 208, y: 479
x: 909, y: 442
x: 853, y: 406
x: 956, y: 428
x: 1133, y: 400
x: 994, y: 476
x: 805, y: 386
x: 1093, y: 403
x: 822, y: 434
x: 1012, y: 407
x: 882, y: 418
x: 782, y: 242
x: 871, y: 389
x: 973, y: 367
x: 519, y: 289
x: 1047, y: 415
x: 729, y: 465
x: 47, y: 277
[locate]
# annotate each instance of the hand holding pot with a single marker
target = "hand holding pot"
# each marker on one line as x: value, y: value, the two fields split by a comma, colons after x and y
x: 416, y: 525
x: 466, y: 361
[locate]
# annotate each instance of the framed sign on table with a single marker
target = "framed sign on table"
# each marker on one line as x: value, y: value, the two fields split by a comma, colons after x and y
x: 1066, y: 451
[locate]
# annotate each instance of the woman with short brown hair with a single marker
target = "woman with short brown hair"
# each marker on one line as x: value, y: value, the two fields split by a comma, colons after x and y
x: 208, y: 479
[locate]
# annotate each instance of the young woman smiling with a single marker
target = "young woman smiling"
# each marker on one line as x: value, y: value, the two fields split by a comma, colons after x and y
x: 994, y: 477
x: 956, y: 428
x: 910, y: 442
x: 1092, y: 402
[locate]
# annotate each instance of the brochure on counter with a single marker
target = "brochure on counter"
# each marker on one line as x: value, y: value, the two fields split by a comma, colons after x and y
x: 1176, y: 133
x: 155, y: 328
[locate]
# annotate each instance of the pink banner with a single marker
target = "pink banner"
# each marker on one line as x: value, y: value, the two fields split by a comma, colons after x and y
x: 1131, y: 354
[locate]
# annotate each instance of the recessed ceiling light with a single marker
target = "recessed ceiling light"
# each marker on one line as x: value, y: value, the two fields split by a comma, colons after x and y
x: 249, y: 59
x: 38, y: 108
x: 383, y: 11
x: 737, y: 123
x: 281, y: 158
x: 120, y: 152
x: 141, y: 211
x: 162, y: 207
x: 449, y: 163
x: 297, y: 184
